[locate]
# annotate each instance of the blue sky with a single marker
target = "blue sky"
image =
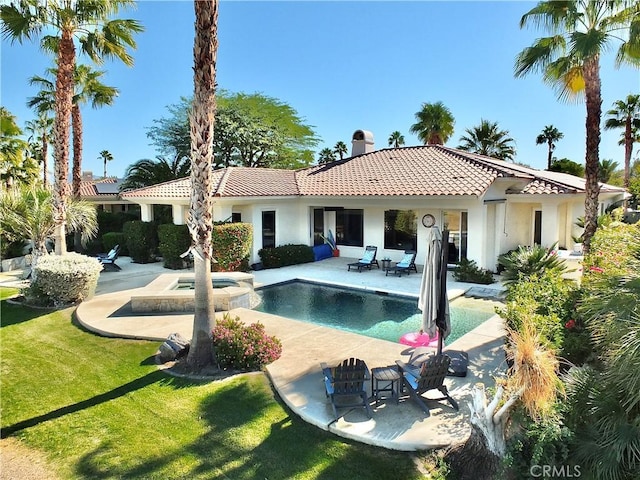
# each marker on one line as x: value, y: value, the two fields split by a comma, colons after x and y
x: 343, y: 66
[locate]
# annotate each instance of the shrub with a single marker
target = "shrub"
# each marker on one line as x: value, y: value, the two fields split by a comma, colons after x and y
x: 9, y: 249
x: 174, y: 241
x: 231, y: 246
x: 111, y: 239
x: 285, y: 255
x: 64, y: 280
x: 141, y: 240
x: 527, y: 261
x: 244, y: 347
x: 468, y: 271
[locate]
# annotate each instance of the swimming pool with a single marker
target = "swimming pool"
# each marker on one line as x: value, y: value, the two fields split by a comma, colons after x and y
x: 374, y: 314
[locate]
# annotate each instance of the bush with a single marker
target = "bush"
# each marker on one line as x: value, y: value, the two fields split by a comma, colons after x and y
x: 141, y: 240
x: 286, y: 255
x: 174, y: 241
x: 527, y: 261
x: 231, y: 246
x: 10, y: 249
x: 111, y: 239
x: 244, y: 347
x: 64, y: 280
x: 468, y: 271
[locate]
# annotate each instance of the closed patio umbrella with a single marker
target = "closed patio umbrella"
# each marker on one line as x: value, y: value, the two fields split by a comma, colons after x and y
x: 433, y: 288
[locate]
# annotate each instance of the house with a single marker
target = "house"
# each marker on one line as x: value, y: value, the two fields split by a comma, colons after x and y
x: 105, y: 194
x: 388, y: 197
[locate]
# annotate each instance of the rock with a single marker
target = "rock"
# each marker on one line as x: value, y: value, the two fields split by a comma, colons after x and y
x: 174, y: 347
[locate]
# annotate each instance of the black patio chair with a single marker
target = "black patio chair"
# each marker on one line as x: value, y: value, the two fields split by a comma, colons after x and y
x: 407, y: 264
x: 367, y: 261
x: 109, y: 262
x: 345, y: 385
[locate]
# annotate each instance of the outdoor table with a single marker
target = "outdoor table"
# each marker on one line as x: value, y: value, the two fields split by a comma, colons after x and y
x: 385, y: 379
x: 386, y: 264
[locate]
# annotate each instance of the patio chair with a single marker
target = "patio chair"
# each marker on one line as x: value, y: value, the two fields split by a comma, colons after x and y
x: 367, y: 261
x: 113, y: 251
x: 429, y: 376
x: 407, y: 264
x: 110, y: 260
x: 348, y: 381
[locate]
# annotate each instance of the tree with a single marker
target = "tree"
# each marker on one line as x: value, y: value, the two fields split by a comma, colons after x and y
x: 28, y: 212
x: 434, y: 125
x: 326, y: 155
x: 41, y: 130
x: 340, y: 149
x: 148, y: 172
x: 99, y: 37
x: 106, y: 156
x: 626, y: 115
x: 488, y: 139
x: 564, y: 165
x: 396, y: 139
x: 550, y: 135
x: 569, y: 59
x: 200, y: 222
x: 15, y: 165
x: 606, y: 169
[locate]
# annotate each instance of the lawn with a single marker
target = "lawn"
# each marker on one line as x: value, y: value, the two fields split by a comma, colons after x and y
x: 99, y: 408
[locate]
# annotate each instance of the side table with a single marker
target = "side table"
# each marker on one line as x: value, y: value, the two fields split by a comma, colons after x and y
x: 385, y: 379
x: 386, y: 264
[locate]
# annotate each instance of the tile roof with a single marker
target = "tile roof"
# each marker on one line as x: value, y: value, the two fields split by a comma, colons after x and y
x: 88, y: 187
x: 430, y: 170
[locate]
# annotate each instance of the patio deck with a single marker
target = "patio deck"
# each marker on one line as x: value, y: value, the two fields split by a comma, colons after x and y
x: 296, y: 376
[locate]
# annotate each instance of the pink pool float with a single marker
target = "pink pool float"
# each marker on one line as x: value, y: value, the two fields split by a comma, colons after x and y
x: 419, y: 339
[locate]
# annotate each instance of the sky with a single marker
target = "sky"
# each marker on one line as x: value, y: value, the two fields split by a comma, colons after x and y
x: 343, y: 66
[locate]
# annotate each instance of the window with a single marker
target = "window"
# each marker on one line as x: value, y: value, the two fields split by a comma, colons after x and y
x: 236, y: 217
x: 400, y: 230
x: 268, y: 229
x: 349, y: 227
x: 456, y: 222
x: 318, y: 226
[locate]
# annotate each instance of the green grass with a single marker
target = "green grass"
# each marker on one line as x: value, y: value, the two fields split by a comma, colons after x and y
x: 99, y: 408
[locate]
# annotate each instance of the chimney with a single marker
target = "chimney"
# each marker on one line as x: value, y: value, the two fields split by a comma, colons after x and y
x: 87, y: 176
x: 361, y: 142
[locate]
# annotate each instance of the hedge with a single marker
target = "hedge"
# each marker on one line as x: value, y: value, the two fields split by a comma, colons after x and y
x: 285, y: 255
x: 141, y: 240
x: 111, y: 239
x: 174, y: 241
x: 231, y: 246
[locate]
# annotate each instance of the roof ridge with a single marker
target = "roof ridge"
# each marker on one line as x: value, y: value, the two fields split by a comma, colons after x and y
x: 223, y: 182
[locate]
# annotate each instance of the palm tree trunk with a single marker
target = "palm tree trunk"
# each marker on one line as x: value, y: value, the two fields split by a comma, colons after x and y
x: 591, y: 72
x: 45, y: 152
x: 63, y: 106
x: 201, y: 352
x: 628, y: 149
x: 549, y: 156
x: 76, y: 175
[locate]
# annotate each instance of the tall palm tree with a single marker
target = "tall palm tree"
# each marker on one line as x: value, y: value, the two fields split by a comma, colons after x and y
x: 41, y: 130
x: 200, y: 222
x: 580, y: 31
x: 396, y: 139
x: 59, y: 23
x: 488, y: 139
x: 434, y: 125
x: 626, y: 115
x: 106, y: 156
x: 340, y: 149
x: 550, y: 135
x: 326, y: 155
x: 148, y: 172
x: 12, y: 150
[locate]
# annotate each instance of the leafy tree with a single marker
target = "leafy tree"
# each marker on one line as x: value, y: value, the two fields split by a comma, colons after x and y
x: 105, y: 156
x: 340, y: 149
x: 580, y: 32
x: 41, y: 132
x: 488, y: 139
x: 550, y: 135
x: 626, y: 115
x: 434, y: 124
x: 326, y: 155
x: 148, y: 172
x: 59, y: 22
x: 396, y: 139
x: 15, y: 165
x: 606, y: 169
x: 200, y: 223
x: 564, y: 165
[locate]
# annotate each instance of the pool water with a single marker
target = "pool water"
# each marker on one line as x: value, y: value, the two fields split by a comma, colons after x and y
x: 386, y: 317
x: 217, y: 283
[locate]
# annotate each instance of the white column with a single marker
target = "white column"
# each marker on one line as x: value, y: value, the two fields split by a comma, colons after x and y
x: 178, y: 214
x: 550, y: 224
x: 146, y: 212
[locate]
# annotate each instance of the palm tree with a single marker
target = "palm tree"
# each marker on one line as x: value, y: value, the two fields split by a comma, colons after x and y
x: 434, y: 124
x: 106, y: 156
x: 396, y: 139
x: 550, y: 135
x: 488, y: 139
x: 626, y: 114
x: 326, y: 155
x: 606, y: 170
x: 200, y: 223
x: 28, y: 212
x: 99, y: 37
x: 15, y: 165
x: 569, y: 59
x: 340, y: 149
x: 41, y: 130
x: 148, y: 172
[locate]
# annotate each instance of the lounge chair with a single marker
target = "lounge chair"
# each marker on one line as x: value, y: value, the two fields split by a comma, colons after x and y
x: 407, y: 264
x: 110, y: 260
x: 113, y: 251
x: 347, y: 380
x: 429, y: 376
x: 367, y: 261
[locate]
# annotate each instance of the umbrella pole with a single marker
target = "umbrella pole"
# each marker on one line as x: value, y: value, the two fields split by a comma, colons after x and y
x: 442, y: 300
